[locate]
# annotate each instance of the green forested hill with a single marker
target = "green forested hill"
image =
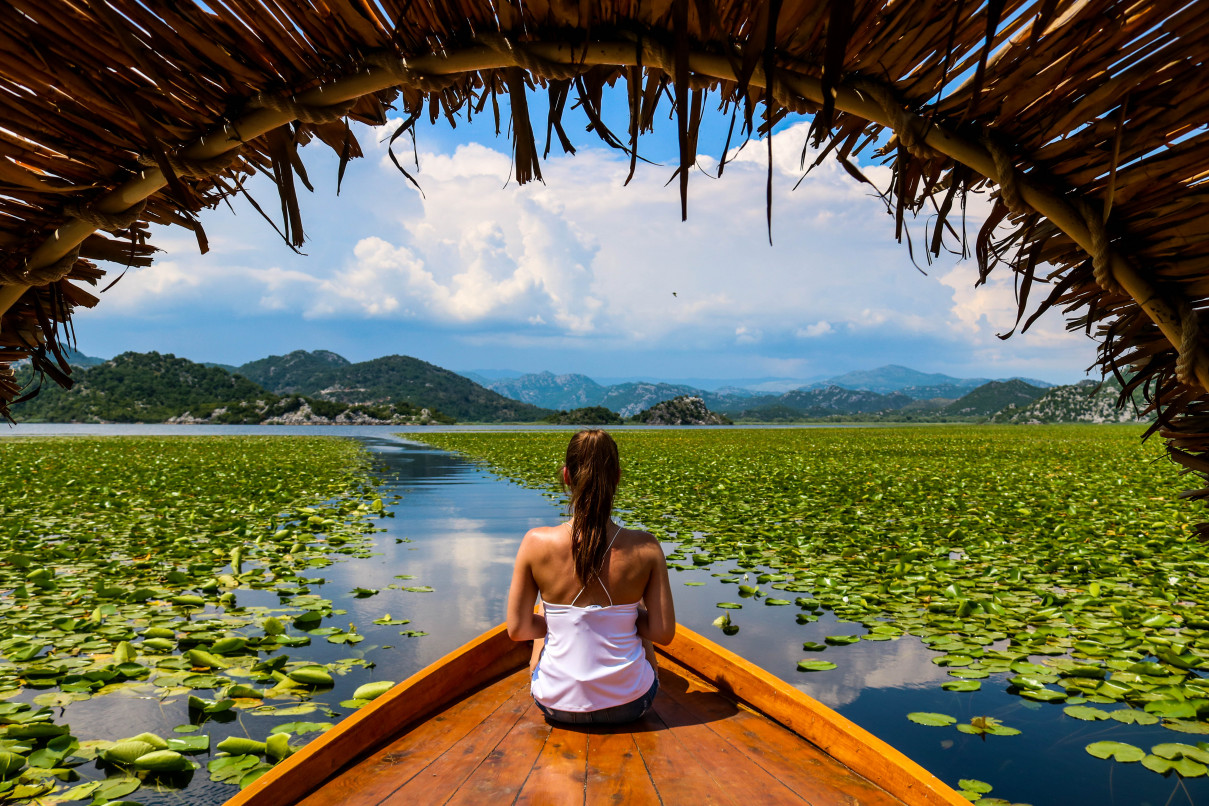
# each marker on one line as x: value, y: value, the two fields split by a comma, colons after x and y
x: 825, y: 401
x: 992, y: 397
x: 587, y: 415
x: 136, y: 388
x: 295, y: 372
x: 154, y: 388
x: 390, y: 378
x: 1083, y: 402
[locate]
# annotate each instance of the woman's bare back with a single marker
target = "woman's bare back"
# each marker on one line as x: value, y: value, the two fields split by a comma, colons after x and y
x: 625, y: 572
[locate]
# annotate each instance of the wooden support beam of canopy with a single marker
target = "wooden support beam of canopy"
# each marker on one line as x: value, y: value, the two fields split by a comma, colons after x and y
x: 851, y: 95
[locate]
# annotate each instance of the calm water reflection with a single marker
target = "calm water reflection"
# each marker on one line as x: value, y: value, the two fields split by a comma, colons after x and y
x: 466, y: 525
x: 457, y: 528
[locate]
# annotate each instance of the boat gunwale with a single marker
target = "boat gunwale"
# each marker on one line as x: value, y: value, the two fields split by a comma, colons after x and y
x: 836, y: 735
x: 493, y: 654
x: 428, y: 691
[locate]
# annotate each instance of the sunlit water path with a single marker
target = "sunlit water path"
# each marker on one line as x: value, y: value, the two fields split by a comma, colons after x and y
x: 456, y: 528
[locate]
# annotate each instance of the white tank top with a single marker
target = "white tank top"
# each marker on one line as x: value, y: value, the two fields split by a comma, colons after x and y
x: 593, y: 657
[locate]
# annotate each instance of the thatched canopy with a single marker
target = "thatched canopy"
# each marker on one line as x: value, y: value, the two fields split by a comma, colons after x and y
x: 1086, y: 120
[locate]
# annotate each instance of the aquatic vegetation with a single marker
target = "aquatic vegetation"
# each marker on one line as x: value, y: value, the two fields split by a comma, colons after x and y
x: 121, y: 566
x: 987, y: 725
x: 724, y: 624
x: 1056, y: 562
x: 932, y: 719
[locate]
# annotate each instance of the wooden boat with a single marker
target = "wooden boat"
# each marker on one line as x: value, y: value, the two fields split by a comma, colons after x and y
x: 722, y: 730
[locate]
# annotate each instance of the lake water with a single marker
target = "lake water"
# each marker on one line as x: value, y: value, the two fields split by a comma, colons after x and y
x: 457, y: 527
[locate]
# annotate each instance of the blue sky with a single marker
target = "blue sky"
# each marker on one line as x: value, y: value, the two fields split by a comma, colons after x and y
x: 579, y: 274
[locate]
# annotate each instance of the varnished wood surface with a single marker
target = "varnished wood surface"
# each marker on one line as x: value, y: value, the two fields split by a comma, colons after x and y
x: 417, y: 698
x: 722, y: 731
x: 695, y: 747
x: 838, y: 737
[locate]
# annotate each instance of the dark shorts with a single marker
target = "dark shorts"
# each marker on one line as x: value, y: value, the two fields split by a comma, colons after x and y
x: 616, y: 715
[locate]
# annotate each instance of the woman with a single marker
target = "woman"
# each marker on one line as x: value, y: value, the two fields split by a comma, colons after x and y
x: 605, y: 596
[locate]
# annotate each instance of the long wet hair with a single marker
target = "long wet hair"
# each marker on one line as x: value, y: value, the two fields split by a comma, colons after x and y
x: 595, y: 469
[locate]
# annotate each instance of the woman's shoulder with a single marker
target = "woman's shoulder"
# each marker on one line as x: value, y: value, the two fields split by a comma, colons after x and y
x: 542, y: 532
x: 642, y: 541
x: 546, y: 536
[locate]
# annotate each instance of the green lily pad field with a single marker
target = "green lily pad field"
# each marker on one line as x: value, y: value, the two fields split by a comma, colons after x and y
x: 1054, y: 562
x: 122, y: 565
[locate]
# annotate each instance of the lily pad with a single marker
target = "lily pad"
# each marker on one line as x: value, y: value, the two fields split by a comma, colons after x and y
x: 974, y: 785
x: 1118, y: 751
x: 190, y: 744
x: 961, y: 685
x: 931, y: 719
x: 230, y: 769
x: 1184, y: 767
x: 970, y: 674
x: 297, y: 710
x: 115, y: 788
x: 1186, y: 726
x: 1132, y: 717
x: 299, y: 728
x: 1171, y: 750
x: 1172, y: 709
x: 815, y: 665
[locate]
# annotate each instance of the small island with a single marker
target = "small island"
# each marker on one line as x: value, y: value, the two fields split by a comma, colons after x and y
x: 683, y: 410
x: 589, y: 415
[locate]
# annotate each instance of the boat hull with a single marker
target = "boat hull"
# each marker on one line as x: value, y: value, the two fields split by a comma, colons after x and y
x: 695, y: 665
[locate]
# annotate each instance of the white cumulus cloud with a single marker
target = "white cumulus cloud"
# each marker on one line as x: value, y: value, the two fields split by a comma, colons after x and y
x: 584, y: 261
x: 819, y: 328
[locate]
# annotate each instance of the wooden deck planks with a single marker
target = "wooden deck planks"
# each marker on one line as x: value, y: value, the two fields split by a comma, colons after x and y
x: 441, y: 780
x: 695, y: 747
x: 800, y: 765
x: 678, y: 774
x: 558, y: 775
x: 503, y: 772
x: 727, y: 763
x: 375, y: 778
x: 616, y: 771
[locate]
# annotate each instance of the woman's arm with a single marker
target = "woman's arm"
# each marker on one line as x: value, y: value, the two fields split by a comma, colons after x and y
x: 523, y: 623
x: 657, y: 622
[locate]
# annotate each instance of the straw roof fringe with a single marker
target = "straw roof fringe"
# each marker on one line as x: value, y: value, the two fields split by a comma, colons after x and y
x: 1087, y: 121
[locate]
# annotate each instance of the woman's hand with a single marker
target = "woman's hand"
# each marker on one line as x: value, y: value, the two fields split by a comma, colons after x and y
x: 523, y: 623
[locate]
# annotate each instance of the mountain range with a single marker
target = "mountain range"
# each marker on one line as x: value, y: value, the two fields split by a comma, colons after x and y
x: 155, y: 388
x: 327, y: 376
x: 323, y: 386
x: 888, y: 387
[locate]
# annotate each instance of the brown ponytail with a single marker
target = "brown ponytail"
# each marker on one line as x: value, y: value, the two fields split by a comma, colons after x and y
x: 594, y: 469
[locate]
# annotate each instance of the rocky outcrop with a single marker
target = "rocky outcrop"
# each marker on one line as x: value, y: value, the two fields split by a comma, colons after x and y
x: 683, y: 410
x: 302, y: 413
x: 1083, y: 402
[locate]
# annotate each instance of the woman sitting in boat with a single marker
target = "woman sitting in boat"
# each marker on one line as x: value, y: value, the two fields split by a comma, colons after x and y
x: 605, y: 599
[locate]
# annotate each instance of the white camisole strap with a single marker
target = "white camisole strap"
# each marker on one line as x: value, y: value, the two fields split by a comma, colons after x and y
x: 596, y: 574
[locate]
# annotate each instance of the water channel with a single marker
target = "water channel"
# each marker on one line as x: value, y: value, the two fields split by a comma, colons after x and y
x: 456, y: 528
